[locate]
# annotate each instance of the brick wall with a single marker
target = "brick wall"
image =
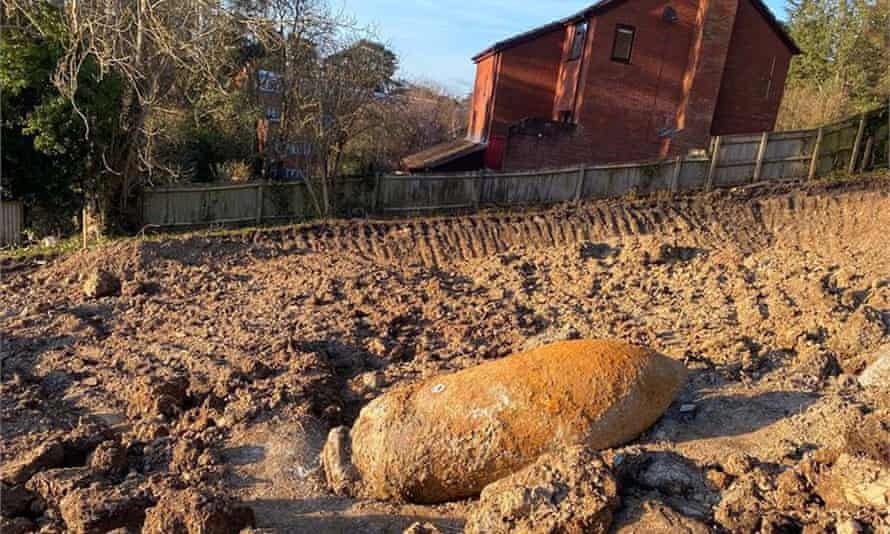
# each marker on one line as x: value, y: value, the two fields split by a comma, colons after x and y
x: 702, y: 81
x: 621, y: 107
x: 526, y: 81
x: 482, y: 93
x: 754, y: 77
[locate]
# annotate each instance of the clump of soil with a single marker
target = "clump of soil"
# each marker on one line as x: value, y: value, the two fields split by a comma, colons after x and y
x: 571, y: 491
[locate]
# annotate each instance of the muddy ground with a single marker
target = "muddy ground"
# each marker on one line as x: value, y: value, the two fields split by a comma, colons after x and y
x: 201, y: 387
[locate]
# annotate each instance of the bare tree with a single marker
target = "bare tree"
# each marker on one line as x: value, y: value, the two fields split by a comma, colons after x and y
x: 162, y: 53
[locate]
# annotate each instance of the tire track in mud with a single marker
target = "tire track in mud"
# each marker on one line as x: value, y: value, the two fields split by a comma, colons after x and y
x: 747, y: 225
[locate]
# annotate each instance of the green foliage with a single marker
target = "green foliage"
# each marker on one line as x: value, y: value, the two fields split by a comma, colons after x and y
x: 45, y: 157
x: 845, y: 60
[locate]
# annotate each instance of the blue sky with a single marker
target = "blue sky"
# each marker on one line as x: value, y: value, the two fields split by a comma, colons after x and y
x: 435, y: 39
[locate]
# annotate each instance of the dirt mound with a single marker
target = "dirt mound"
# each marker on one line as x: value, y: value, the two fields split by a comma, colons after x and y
x: 776, y: 298
x: 446, y: 438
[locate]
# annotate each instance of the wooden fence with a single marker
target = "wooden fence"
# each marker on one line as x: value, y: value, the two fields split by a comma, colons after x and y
x: 11, y: 221
x: 853, y: 145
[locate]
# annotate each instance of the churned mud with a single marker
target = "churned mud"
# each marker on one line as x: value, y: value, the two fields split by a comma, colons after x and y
x: 191, y: 381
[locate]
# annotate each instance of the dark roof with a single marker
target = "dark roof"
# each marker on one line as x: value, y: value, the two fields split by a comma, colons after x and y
x: 604, y: 5
x: 441, y: 154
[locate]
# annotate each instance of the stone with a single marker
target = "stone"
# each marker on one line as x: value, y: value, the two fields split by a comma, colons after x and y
x: 46, y: 456
x: 671, y: 474
x: 335, y: 457
x: 192, y: 510
x: 101, y: 283
x: 573, y: 492
x: 98, y: 509
x: 448, y: 437
x: 877, y: 374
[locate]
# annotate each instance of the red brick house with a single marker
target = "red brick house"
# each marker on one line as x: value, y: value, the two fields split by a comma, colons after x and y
x: 619, y: 81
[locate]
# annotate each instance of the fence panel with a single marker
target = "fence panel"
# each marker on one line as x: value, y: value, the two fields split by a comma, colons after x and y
x: 736, y: 160
x: 11, y: 223
x: 423, y: 193
x: 788, y: 155
x: 733, y: 160
x: 201, y: 205
x: 543, y: 187
x: 693, y: 174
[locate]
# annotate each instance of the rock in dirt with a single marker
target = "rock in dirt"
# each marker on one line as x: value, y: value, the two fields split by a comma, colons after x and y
x: 671, y: 474
x: 192, y: 511
x: 447, y: 438
x: 877, y: 374
x: 101, y: 283
x: 339, y: 471
x: 98, y: 509
x: 571, y: 492
x: 46, y: 456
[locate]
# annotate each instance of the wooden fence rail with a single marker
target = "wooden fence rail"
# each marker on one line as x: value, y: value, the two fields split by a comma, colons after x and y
x: 853, y: 145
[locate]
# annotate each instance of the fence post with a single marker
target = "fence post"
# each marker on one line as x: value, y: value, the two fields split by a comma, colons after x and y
x: 851, y: 168
x: 866, y: 155
x: 888, y: 133
x: 761, y: 152
x: 712, y: 170
x: 814, y: 161
x: 259, y: 203
x: 579, y: 187
x: 675, y: 177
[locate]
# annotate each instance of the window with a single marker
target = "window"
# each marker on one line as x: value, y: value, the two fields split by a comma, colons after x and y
x: 273, y: 114
x: 578, y: 41
x: 624, y: 43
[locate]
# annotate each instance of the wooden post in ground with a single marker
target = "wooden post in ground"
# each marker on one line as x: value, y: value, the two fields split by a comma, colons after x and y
x: 761, y: 152
x: 851, y: 168
x: 259, y: 203
x: 814, y: 161
x: 675, y: 176
x: 712, y: 170
x: 579, y: 187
